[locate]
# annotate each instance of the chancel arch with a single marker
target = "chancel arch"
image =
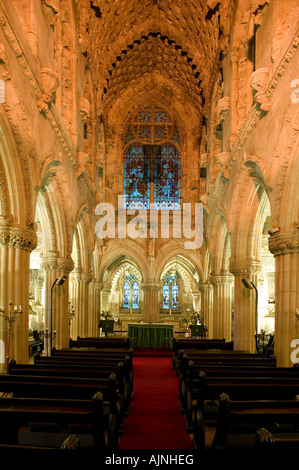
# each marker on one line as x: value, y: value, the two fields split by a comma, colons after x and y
x: 122, y: 294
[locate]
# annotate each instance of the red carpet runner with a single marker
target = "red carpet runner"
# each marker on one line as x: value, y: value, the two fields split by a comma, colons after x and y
x: 155, y: 420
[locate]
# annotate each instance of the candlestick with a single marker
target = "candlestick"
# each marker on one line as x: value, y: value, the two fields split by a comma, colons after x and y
x: 11, y: 317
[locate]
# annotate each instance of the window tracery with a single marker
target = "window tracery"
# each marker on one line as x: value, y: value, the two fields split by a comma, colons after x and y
x: 152, y: 155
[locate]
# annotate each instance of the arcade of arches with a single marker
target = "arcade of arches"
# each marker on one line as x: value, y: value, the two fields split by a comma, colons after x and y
x: 125, y: 126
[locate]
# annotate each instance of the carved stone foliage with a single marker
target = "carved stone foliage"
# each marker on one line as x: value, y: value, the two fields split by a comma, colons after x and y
x: 245, y: 267
x: 18, y: 238
x: 65, y: 265
x: 223, y: 107
x: 258, y: 82
x: 49, y: 83
x: 284, y: 243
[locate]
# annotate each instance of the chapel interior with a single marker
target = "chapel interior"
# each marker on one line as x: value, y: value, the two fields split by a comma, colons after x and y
x: 113, y: 112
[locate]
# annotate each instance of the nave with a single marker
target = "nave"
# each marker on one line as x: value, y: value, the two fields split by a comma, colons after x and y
x: 111, y: 399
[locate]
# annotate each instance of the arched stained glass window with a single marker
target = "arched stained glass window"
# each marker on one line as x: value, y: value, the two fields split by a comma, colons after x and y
x: 165, y: 295
x: 167, y: 178
x: 170, y: 292
x: 131, y: 292
x: 126, y: 295
x: 135, y: 295
x: 152, y: 154
x: 175, y: 295
x: 136, y: 178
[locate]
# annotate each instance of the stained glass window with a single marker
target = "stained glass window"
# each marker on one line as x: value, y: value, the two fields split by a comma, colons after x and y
x: 175, y: 295
x: 167, y: 178
x: 136, y: 178
x: 165, y: 295
x: 152, y: 154
x: 170, y: 288
x: 131, y: 292
x: 126, y: 295
x: 135, y: 295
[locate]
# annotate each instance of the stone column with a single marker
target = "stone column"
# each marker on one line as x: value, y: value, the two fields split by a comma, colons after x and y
x: 15, y: 247
x: 196, y: 297
x: 105, y: 298
x: 207, y: 306
x: 285, y: 248
x: 150, y: 301
x: 222, y: 306
x: 55, y: 268
x: 245, y: 303
x: 95, y: 307
x: 79, y: 298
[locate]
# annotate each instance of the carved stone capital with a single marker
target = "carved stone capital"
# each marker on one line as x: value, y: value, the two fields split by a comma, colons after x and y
x: 78, y: 276
x: 245, y: 267
x: 221, y: 280
x: 205, y: 288
x: 17, y: 237
x: 284, y: 243
x: 151, y: 286
x: 64, y: 265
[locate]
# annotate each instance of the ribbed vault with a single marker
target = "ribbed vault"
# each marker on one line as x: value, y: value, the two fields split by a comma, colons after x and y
x: 180, y: 39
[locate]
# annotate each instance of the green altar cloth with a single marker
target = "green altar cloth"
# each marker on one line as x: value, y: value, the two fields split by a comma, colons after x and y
x: 151, y: 335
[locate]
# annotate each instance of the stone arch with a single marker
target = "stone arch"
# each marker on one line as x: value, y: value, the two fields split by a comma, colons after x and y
x: 16, y: 184
x: 117, y: 249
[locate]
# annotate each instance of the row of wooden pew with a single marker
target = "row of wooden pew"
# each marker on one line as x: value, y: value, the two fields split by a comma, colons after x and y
x: 236, y: 399
x: 76, y: 398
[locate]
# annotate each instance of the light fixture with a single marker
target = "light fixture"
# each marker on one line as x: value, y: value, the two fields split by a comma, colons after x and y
x: 249, y: 285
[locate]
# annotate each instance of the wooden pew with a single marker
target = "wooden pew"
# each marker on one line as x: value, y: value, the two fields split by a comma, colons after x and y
x: 188, y: 380
x: 29, y: 386
x: 80, y: 371
x: 96, y: 342
x: 265, y: 440
x: 240, y: 388
x: 51, y: 422
x: 224, y: 357
x: 238, y: 421
x: 197, y: 344
x: 95, y: 361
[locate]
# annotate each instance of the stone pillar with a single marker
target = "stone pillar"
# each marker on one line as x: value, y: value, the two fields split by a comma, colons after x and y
x: 150, y: 301
x: 196, y: 297
x: 207, y: 306
x: 15, y: 247
x: 222, y: 306
x: 245, y: 303
x: 94, y: 307
x: 55, y: 268
x: 105, y: 298
x: 285, y: 248
x: 79, y: 298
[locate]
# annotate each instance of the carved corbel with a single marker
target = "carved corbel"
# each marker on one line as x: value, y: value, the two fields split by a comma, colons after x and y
x: 84, y: 108
x: 223, y: 160
x: 223, y: 107
x: 204, y: 159
x: 258, y: 82
x: 49, y: 85
x: 204, y: 198
x: 83, y: 158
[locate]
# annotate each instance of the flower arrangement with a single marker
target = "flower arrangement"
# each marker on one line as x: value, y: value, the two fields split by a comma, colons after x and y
x: 196, y: 318
x: 106, y: 315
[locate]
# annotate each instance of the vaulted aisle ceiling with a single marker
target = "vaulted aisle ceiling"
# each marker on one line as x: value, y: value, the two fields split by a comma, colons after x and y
x: 178, y: 42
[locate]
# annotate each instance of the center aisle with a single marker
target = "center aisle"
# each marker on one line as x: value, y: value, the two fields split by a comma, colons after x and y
x: 155, y: 420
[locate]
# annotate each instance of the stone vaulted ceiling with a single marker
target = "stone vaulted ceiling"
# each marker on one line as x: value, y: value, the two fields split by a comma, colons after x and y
x: 179, y: 41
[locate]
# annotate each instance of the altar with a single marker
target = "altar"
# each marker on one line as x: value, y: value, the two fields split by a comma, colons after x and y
x: 151, y: 335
